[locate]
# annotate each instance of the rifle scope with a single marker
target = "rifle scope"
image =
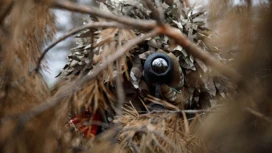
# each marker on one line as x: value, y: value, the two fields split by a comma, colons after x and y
x: 158, y: 68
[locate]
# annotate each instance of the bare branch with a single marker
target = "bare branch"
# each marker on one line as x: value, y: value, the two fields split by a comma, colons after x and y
x: 157, y: 12
x: 75, y: 31
x: 188, y: 111
x: 191, y: 48
x: 160, y: 12
x: 258, y: 114
x: 139, y: 24
x: 161, y: 102
x: 120, y: 90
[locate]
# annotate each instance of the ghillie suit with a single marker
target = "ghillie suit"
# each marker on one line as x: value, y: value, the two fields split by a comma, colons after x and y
x: 159, y: 78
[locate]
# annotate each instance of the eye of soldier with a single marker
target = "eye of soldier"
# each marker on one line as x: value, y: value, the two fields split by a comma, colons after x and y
x: 159, y: 65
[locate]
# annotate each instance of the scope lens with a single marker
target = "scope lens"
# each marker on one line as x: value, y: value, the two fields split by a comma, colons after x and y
x: 159, y: 65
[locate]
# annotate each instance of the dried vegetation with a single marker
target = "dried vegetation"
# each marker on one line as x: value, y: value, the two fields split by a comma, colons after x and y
x: 217, y: 100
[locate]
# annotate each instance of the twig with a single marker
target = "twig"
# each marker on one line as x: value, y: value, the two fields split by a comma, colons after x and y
x: 160, y: 101
x: 186, y: 124
x: 185, y: 111
x: 139, y: 24
x: 75, y: 31
x: 160, y: 12
x: 258, y: 114
x: 120, y: 90
x: 187, y: 4
x: 191, y: 48
x: 97, y: 123
x: 157, y: 13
